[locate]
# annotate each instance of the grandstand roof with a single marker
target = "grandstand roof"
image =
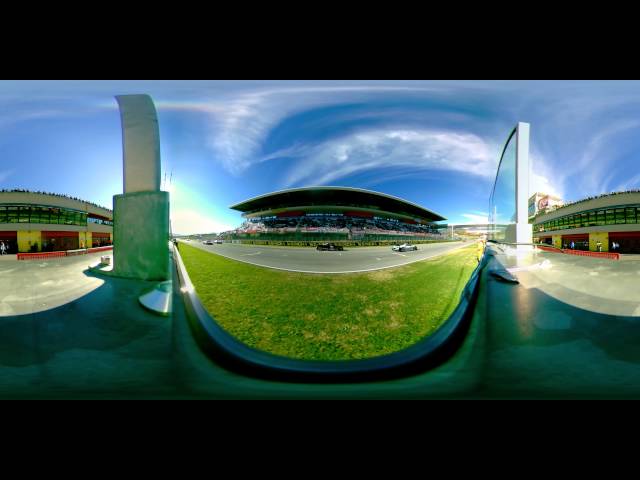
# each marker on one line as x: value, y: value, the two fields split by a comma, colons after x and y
x: 334, y: 196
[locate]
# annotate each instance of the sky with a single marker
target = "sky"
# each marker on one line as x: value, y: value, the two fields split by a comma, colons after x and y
x: 434, y: 143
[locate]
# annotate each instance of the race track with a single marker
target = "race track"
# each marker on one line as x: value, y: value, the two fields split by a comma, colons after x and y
x: 310, y: 260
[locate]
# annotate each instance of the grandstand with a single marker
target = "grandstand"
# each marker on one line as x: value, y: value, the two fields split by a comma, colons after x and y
x: 339, y: 214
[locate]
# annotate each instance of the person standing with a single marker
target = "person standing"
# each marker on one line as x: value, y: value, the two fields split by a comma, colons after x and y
x: 2, y: 248
x: 572, y: 245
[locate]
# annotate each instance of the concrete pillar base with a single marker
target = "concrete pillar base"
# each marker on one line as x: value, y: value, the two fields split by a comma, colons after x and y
x: 140, y: 235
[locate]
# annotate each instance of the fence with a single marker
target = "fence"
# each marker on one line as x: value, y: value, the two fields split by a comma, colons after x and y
x: 67, y: 253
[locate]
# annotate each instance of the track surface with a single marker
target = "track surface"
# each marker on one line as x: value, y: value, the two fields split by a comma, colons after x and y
x: 310, y: 260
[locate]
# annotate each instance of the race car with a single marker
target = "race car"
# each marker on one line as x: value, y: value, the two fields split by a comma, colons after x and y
x: 207, y: 242
x: 405, y: 247
x: 330, y: 247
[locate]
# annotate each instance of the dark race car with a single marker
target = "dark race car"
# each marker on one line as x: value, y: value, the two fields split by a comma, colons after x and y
x: 329, y: 247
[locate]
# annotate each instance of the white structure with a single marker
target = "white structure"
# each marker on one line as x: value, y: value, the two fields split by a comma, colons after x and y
x: 541, y: 202
x: 510, y: 194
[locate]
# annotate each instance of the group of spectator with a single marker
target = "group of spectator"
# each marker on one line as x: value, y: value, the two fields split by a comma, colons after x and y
x: 566, y: 204
x: 335, y: 224
x: 22, y: 190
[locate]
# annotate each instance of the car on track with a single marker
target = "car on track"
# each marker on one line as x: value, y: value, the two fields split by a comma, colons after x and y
x: 217, y: 242
x: 207, y: 242
x: 329, y: 247
x: 405, y: 247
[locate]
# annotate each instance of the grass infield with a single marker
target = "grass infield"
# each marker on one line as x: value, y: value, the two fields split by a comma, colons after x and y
x: 325, y: 316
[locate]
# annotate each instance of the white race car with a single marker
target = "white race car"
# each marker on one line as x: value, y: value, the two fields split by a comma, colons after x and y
x: 405, y: 247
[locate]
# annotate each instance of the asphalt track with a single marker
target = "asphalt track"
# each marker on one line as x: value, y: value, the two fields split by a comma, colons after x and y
x: 310, y: 260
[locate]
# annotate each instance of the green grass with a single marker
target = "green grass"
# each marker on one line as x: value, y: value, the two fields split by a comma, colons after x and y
x: 329, y: 317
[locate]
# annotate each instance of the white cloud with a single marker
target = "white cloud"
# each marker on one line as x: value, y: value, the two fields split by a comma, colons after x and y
x: 418, y: 150
x: 542, y: 179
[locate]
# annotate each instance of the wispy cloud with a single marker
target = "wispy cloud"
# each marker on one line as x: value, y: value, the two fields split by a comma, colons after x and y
x: 419, y: 150
x: 239, y: 122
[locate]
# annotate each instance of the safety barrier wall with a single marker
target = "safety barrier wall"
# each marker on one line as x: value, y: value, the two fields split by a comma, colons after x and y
x: 583, y: 253
x: 40, y: 256
x: 67, y: 253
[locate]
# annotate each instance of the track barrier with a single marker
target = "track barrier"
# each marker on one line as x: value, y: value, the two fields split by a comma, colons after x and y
x: 67, y: 253
x: 582, y: 253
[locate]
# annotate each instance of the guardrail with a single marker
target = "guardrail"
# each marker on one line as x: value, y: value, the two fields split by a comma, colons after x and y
x: 63, y: 253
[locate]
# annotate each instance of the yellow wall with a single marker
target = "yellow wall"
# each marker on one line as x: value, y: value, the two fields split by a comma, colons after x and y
x: 599, y: 236
x: 27, y: 238
x: 84, y: 240
x: 557, y: 241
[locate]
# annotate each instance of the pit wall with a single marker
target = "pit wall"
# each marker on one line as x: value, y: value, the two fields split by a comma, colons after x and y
x: 348, y: 243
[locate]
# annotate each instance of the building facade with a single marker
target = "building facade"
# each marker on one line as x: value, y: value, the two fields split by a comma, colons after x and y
x: 36, y: 222
x: 607, y: 223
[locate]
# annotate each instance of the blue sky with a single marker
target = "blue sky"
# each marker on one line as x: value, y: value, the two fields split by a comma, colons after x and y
x: 434, y: 143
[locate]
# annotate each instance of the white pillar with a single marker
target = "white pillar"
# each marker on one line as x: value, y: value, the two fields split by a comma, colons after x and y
x: 140, y: 143
x: 524, y: 231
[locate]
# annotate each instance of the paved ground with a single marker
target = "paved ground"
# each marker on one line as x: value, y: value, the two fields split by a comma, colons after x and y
x: 99, y: 343
x: 570, y: 328
x: 310, y: 260
x: 593, y: 284
x: 29, y: 286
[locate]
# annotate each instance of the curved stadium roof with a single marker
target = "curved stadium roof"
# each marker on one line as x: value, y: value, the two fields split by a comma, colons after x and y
x: 334, y: 196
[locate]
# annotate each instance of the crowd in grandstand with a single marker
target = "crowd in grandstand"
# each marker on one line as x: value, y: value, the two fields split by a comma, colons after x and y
x: 22, y: 190
x: 353, y: 226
